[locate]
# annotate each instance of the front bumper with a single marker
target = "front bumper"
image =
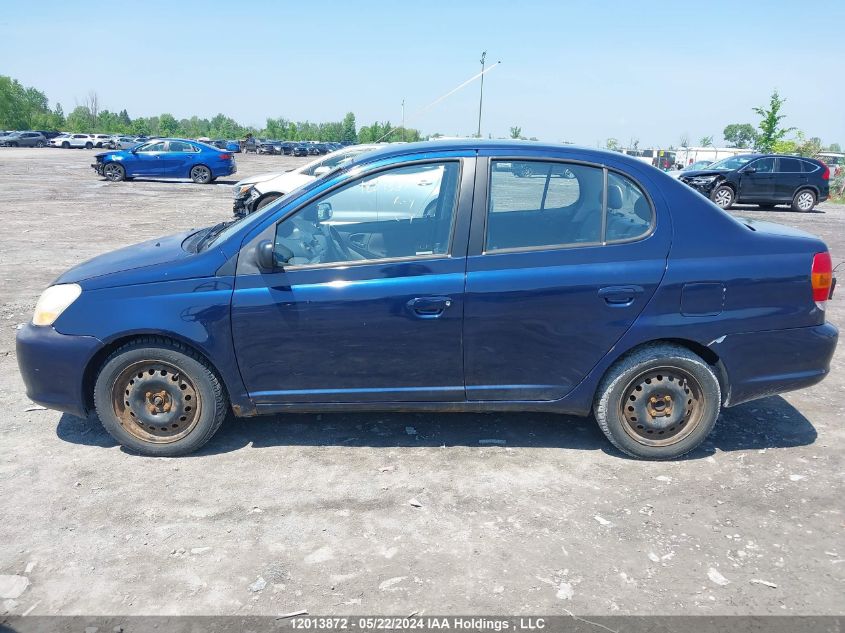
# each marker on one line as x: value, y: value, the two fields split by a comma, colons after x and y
x: 53, y: 367
x: 705, y: 189
x: 98, y: 167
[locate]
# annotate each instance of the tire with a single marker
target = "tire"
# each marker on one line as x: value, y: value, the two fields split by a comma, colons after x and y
x: 201, y: 174
x: 89, y: 145
x: 65, y: 145
x: 636, y: 402
x: 723, y: 196
x: 804, y: 201
x: 176, y: 400
x: 113, y: 172
x: 39, y: 144
x: 270, y: 198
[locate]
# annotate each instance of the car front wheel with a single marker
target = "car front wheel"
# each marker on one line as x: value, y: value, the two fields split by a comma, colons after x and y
x: 659, y: 402
x: 39, y: 144
x: 804, y: 201
x: 158, y: 398
x: 201, y: 174
x: 723, y: 196
x: 114, y: 172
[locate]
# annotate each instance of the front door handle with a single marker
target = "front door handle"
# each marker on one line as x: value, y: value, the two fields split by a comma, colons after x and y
x: 428, y: 307
x: 620, y: 296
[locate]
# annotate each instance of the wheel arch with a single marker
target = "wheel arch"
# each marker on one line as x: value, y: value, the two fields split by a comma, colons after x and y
x: 702, y: 351
x: 95, y: 364
x: 208, y: 167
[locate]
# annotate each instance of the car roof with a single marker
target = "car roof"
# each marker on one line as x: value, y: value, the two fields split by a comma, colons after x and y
x: 502, y: 145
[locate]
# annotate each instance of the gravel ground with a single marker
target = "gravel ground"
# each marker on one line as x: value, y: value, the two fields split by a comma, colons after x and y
x: 391, y: 513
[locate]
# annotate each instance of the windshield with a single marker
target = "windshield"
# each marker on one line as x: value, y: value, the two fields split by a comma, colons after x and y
x: 332, y: 161
x: 734, y: 162
x: 698, y: 165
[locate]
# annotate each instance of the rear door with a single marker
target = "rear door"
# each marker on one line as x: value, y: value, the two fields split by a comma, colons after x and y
x: 560, y: 265
x: 788, y: 178
x: 177, y: 161
x: 757, y: 181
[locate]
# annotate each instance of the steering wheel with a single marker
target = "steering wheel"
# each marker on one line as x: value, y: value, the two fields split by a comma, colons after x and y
x: 337, y: 242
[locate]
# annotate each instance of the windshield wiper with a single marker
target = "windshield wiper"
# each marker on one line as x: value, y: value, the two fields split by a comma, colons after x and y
x: 211, y: 233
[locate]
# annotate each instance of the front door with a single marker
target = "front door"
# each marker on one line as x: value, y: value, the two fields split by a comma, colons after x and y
x: 147, y: 160
x: 757, y: 181
x: 363, y: 307
x: 554, y: 280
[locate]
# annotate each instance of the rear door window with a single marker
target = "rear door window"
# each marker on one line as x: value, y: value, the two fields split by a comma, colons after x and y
x: 790, y: 165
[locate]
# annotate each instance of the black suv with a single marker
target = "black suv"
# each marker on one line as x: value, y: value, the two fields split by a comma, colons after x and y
x: 763, y: 179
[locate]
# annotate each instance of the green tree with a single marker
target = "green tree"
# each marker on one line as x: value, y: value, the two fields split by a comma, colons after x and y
x: 168, y: 125
x: 516, y: 131
x: 706, y: 141
x: 770, y: 124
x: 79, y: 120
x: 348, y: 133
x: 740, y: 135
x: 834, y: 147
x: 612, y: 144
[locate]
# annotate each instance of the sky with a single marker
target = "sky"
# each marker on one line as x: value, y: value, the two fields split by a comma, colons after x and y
x: 571, y: 70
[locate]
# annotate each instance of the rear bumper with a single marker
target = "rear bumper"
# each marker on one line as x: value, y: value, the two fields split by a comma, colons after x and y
x: 53, y: 367
x: 762, y: 364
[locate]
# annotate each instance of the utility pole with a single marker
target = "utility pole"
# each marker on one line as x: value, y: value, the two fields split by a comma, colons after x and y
x: 481, y: 93
x: 403, y: 120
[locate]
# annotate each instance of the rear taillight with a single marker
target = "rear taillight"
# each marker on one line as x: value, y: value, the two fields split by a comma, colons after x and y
x: 225, y: 157
x: 821, y: 276
x: 826, y: 172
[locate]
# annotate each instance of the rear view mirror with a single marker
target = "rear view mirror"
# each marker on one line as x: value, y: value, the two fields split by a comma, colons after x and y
x: 324, y: 211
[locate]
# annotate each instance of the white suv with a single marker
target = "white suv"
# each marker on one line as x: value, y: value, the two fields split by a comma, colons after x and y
x: 73, y: 140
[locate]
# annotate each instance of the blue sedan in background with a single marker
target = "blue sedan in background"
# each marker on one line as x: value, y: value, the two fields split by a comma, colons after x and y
x: 430, y: 277
x: 167, y: 158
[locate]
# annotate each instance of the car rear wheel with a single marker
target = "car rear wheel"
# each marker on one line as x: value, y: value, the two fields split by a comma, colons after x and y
x: 804, y: 201
x: 89, y: 145
x: 723, y: 196
x: 201, y: 174
x: 114, y: 172
x: 39, y: 144
x: 157, y: 397
x: 658, y: 402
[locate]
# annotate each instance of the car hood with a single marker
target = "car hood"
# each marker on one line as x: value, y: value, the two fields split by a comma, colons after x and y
x: 164, y: 250
x: 115, y: 155
x: 284, y: 183
x: 704, y: 172
x: 258, y: 178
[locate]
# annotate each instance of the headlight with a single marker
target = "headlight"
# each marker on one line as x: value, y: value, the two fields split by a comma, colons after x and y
x: 53, y: 302
x: 703, y: 180
x: 241, y: 191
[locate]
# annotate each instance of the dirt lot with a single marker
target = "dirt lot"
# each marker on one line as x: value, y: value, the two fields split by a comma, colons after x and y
x: 313, y: 512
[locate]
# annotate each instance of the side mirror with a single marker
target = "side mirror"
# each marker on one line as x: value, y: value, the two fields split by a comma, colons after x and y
x: 322, y: 170
x: 749, y: 170
x: 271, y: 257
x: 324, y: 211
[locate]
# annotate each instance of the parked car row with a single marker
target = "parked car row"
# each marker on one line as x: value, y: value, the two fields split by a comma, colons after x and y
x: 447, y: 276
x: 296, y: 148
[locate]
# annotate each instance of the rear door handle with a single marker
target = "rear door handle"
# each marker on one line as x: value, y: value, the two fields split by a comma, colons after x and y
x: 620, y: 296
x: 428, y: 307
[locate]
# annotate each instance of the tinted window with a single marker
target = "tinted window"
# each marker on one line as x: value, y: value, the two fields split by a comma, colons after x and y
x: 400, y: 212
x: 790, y: 165
x: 764, y: 165
x: 543, y: 204
x: 179, y: 146
x: 809, y: 167
x: 629, y: 213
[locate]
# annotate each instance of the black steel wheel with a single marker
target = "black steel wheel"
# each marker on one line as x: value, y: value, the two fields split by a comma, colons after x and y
x: 157, y: 397
x: 658, y: 402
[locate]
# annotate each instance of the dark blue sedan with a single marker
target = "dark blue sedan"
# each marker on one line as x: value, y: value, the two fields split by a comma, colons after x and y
x: 432, y: 277
x: 167, y: 158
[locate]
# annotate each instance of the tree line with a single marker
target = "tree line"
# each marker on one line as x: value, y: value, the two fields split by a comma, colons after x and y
x: 27, y: 108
